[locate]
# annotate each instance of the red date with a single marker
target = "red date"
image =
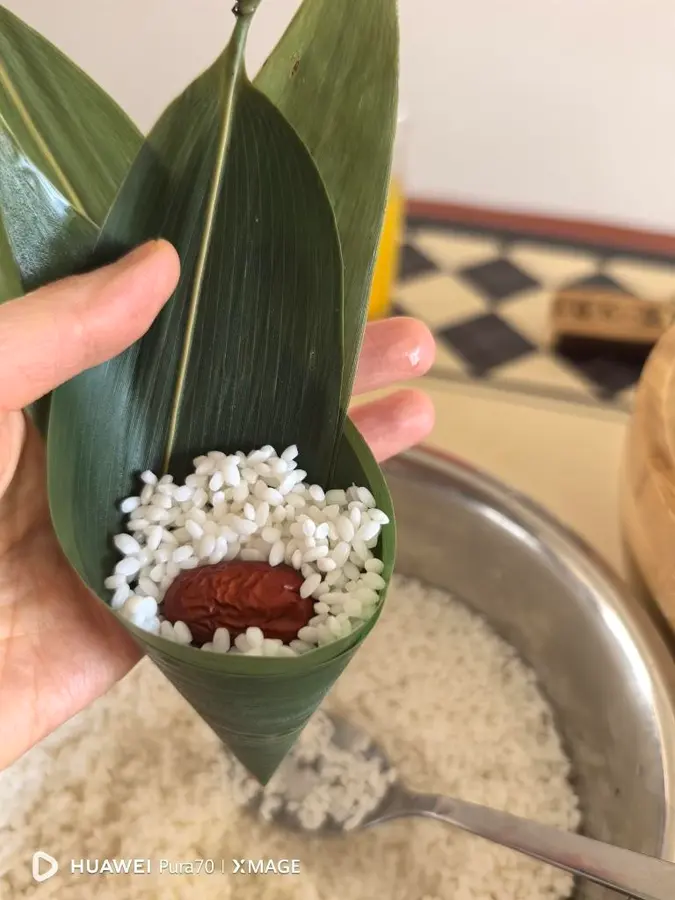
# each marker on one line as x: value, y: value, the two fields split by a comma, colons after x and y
x: 237, y: 595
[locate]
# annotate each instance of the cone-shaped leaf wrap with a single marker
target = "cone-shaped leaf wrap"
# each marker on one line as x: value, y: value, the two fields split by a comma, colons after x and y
x: 247, y: 352
x: 259, y: 706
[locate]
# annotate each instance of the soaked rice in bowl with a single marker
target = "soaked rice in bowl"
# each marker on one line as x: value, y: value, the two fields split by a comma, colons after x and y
x: 138, y: 775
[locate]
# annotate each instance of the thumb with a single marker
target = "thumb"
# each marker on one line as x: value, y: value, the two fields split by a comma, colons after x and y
x: 60, y: 330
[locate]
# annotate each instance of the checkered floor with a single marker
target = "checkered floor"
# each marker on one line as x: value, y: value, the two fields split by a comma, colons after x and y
x: 487, y: 296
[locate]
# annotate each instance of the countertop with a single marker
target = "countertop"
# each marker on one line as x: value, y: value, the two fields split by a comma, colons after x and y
x: 563, y: 455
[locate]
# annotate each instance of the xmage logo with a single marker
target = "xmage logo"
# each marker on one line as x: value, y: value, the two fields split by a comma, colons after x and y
x: 266, y: 866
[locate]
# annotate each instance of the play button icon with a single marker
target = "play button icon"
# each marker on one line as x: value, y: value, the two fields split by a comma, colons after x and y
x: 44, y: 866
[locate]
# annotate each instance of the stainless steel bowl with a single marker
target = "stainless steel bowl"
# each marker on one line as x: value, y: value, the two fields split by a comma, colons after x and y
x: 599, y: 656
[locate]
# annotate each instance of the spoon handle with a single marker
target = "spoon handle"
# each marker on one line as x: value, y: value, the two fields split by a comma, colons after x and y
x: 643, y: 877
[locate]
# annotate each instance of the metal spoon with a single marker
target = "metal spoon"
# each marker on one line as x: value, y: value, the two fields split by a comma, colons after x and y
x: 643, y: 877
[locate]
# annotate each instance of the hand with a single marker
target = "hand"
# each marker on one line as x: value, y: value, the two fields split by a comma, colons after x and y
x: 59, y: 648
x: 394, y: 350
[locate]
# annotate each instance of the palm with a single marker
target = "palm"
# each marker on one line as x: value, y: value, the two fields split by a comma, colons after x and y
x: 59, y: 648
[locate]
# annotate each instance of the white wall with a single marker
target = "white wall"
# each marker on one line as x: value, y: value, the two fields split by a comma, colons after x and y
x: 555, y: 106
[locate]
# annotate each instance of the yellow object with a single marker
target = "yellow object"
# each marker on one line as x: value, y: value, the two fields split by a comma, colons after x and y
x: 386, y: 266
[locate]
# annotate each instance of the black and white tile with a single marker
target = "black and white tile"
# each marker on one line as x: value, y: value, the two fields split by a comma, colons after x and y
x: 487, y: 297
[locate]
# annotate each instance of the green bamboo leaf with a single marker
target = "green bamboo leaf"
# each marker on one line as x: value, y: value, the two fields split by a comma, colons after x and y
x: 76, y: 136
x: 48, y: 238
x: 65, y: 148
x: 334, y: 76
x: 10, y: 279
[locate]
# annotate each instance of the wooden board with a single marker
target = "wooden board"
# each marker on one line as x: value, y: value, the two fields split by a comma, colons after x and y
x: 648, y: 476
x: 609, y: 316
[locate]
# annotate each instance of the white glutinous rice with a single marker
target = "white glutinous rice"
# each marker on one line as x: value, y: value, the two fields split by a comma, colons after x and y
x: 457, y: 712
x: 254, y: 507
